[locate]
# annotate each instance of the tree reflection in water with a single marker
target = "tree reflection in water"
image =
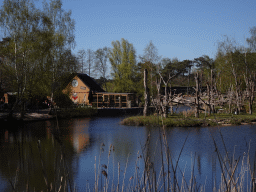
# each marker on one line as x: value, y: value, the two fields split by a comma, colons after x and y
x: 74, y: 155
x: 36, y: 159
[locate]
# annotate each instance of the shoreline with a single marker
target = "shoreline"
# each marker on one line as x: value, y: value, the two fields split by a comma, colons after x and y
x: 40, y: 115
x: 178, y: 121
x: 171, y: 121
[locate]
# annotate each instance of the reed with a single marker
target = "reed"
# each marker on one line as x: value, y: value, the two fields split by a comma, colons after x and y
x: 170, y: 176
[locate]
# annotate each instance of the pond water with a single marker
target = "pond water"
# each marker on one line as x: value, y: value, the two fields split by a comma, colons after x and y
x: 87, y: 152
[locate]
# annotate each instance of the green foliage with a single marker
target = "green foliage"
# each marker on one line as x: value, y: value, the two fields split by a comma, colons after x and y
x: 63, y: 100
x: 179, y: 121
x: 207, y: 67
x: 110, y: 86
x: 37, y: 50
x: 152, y: 75
x: 156, y: 121
x: 76, y: 112
x: 230, y: 64
x: 123, y: 61
x: 177, y: 72
x: 246, y: 107
x: 235, y: 121
x: 142, y: 121
x: 175, y: 67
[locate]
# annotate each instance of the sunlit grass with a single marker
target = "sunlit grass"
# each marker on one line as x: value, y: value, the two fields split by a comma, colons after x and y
x: 179, y: 120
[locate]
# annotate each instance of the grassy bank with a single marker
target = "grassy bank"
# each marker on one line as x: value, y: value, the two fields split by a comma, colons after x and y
x: 179, y: 120
x: 74, y: 112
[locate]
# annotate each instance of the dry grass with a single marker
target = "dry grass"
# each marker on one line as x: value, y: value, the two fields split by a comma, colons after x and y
x: 188, y: 113
x: 170, y: 177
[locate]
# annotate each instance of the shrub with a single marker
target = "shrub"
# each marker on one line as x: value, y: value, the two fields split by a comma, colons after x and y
x: 188, y: 113
x: 76, y: 112
x: 235, y: 121
x: 62, y: 100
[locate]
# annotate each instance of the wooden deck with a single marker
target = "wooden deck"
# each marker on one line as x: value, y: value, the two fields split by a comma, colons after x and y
x: 113, y: 100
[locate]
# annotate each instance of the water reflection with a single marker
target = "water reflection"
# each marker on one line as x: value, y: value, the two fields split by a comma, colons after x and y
x: 32, y: 160
x: 76, y: 132
x: 77, y: 151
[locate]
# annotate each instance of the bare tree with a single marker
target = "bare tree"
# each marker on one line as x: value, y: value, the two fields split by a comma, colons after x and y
x: 207, y: 66
x: 163, y: 102
x: 232, y: 61
x: 146, y: 94
x: 100, y: 66
x: 249, y: 78
x: 90, y: 60
x: 150, y: 57
x: 197, y: 95
x: 81, y: 56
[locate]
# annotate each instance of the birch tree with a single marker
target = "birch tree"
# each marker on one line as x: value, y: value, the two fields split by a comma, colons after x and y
x: 38, y: 41
x: 62, y: 26
x: 150, y: 58
x: 123, y: 61
x: 250, y: 67
x: 230, y: 63
x: 21, y: 23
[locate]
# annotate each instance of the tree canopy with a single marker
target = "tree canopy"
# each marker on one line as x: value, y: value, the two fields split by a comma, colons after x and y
x: 38, y: 50
x: 122, y: 57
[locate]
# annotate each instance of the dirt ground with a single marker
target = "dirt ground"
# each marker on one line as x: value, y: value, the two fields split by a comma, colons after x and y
x: 30, y: 116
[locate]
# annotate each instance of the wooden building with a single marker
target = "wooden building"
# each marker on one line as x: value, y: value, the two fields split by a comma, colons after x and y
x: 84, y: 90
x: 81, y: 87
x: 113, y: 100
x: 9, y: 97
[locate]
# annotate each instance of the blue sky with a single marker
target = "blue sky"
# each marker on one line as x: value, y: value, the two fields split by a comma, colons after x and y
x: 185, y: 29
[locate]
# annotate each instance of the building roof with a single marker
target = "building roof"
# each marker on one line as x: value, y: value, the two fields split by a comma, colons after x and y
x: 87, y: 80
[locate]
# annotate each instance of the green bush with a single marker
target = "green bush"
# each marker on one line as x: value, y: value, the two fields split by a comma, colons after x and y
x: 76, y: 112
x: 235, y: 121
x: 62, y: 100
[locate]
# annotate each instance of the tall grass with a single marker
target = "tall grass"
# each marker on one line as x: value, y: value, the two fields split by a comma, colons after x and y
x: 237, y: 174
x: 170, y: 176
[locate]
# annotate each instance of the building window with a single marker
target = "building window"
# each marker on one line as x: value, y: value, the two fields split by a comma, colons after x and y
x: 74, y: 83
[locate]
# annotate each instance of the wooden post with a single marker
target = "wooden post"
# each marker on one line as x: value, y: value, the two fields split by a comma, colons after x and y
x: 97, y: 100
x: 146, y: 94
x: 211, y: 100
x: 197, y: 96
x: 108, y: 101
x: 126, y: 101
x: 165, y: 102
x: 120, y: 101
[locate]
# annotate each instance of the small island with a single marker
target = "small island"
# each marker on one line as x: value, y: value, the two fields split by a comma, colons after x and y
x: 179, y: 120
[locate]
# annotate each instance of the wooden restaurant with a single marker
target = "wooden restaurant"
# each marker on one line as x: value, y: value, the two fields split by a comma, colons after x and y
x: 84, y: 90
x: 113, y: 100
